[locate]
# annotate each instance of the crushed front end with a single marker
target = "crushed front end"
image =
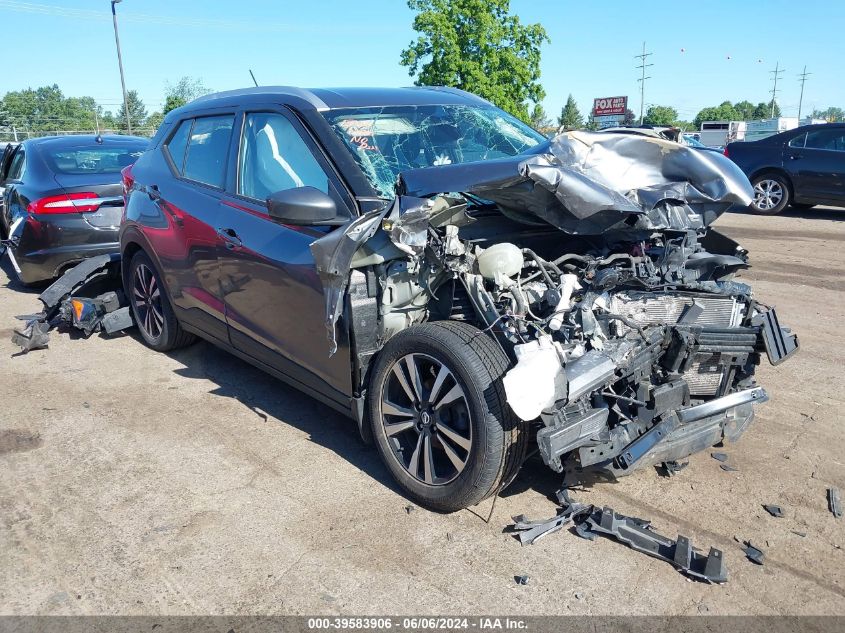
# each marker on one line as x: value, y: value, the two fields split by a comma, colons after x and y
x: 592, y: 263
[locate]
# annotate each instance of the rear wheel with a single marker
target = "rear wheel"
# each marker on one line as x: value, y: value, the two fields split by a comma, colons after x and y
x: 151, y: 308
x: 439, y: 415
x: 771, y: 194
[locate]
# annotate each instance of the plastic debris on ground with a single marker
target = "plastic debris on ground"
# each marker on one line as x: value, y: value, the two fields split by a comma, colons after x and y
x: 588, y: 522
x: 775, y: 511
x: 833, y: 502
x: 722, y: 457
x: 104, y: 312
x: 754, y: 554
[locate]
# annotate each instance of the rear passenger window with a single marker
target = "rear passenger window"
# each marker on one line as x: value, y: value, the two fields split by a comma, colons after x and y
x: 208, y: 150
x: 798, y: 141
x: 833, y: 139
x: 178, y: 143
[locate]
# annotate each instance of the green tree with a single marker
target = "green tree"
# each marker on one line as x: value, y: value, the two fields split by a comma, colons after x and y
x: 46, y: 110
x: 660, y: 115
x: 540, y: 121
x: 570, y: 117
x: 477, y: 46
x: 745, y: 109
x: 183, y: 91
x: 723, y: 112
x: 831, y: 115
x: 764, y: 110
x: 154, y: 120
x: 630, y: 118
x: 137, y: 112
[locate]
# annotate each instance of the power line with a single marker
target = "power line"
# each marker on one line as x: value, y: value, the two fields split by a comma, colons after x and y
x: 160, y: 20
x: 776, y: 73
x: 642, y: 78
x: 802, y: 78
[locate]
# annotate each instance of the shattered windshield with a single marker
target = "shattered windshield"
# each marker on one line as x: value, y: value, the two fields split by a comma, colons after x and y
x: 389, y: 140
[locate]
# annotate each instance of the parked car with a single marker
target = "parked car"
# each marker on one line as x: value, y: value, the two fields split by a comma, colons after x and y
x: 63, y: 200
x: 801, y: 168
x: 432, y: 267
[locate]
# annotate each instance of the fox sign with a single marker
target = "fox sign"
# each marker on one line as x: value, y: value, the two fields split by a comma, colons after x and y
x: 609, y: 106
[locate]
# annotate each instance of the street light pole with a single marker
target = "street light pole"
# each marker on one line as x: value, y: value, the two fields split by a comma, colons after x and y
x: 120, y: 64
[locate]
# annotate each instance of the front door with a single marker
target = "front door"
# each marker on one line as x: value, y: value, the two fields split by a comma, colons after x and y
x: 275, y: 307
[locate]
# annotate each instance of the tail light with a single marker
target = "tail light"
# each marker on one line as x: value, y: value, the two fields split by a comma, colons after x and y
x: 65, y: 203
x: 128, y: 182
x: 725, y: 152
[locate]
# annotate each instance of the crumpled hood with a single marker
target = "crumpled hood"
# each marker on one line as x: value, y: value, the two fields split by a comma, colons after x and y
x: 587, y: 183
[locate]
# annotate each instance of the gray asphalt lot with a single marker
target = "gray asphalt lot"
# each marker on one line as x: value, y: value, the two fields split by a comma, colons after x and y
x: 133, y: 482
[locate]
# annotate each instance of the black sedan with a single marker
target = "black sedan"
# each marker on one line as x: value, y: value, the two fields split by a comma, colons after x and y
x: 63, y: 200
x: 802, y: 167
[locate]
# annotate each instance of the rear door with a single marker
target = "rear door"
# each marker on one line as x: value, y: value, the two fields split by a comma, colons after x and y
x: 15, y: 167
x: 183, y: 232
x: 274, y: 299
x: 816, y: 162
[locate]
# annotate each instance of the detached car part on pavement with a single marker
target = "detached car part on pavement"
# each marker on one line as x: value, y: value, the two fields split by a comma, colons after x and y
x: 477, y: 282
x: 63, y: 304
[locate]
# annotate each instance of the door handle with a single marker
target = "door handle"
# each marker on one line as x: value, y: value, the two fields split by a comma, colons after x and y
x: 794, y: 156
x: 230, y: 238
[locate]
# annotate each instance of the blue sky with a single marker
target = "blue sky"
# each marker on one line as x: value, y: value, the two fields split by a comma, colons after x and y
x: 704, y: 53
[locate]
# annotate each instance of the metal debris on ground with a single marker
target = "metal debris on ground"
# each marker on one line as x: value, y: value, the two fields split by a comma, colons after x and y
x: 583, y: 530
x: 801, y: 534
x: 521, y: 580
x: 409, y: 508
x: 530, y: 531
x: 672, y: 468
x: 833, y: 502
x: 103, y: 312
x: 775, y: 511
x: 722, y: 457
x: 637, y: 534
x: 728, y: 468
x: 36, y: 335
x: 754, y: 554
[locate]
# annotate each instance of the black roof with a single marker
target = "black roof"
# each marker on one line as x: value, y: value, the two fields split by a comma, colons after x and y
x: 81, y: 140
x: 334, y: 98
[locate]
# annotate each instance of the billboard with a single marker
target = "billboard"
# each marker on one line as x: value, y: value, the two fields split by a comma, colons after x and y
x: 606, y: 106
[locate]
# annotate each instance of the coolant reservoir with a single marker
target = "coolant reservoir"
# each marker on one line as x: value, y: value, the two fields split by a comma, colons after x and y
x: 504, y: 259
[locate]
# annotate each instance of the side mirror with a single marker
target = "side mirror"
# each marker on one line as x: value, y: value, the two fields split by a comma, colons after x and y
x: 304, y: 206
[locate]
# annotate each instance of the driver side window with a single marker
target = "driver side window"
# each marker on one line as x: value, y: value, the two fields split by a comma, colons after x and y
x: 274, y: 157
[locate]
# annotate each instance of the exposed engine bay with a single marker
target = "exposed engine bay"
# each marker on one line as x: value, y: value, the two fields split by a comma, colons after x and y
x: 592, y: 264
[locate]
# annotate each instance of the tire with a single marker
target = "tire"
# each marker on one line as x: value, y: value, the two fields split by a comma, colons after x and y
x: 151, y: 307
x: 771, y: 193
x: 475, y: 428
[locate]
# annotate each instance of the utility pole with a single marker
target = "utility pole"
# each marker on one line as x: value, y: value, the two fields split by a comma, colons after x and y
x: 776, y: 73
x: 120, y: 64
x: 642, y: 78
x: 802, y: 78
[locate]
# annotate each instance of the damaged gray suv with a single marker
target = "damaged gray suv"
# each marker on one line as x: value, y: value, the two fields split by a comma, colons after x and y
x: 458, y: 284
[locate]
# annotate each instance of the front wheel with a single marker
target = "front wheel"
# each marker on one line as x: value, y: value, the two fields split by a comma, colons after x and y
x: 771, y: 194
x: 440, y: 418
